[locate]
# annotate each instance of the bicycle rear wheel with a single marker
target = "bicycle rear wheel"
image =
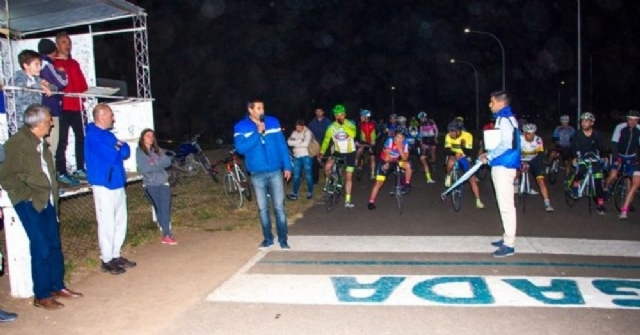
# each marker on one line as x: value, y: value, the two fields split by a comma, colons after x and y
x: 232, y: 191
x: 620, y: 190
x: 456, y: 196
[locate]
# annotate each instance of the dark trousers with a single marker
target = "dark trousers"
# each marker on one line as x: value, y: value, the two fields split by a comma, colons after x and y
x: 71, y: 119
x: 47, y: 262
x: 160, y: 196
x: 315, y: 170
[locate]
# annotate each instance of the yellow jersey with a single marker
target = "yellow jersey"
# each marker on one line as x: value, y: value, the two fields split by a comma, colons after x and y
x: 456, y: 145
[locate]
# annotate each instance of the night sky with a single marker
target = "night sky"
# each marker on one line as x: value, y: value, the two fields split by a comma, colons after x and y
x: 209, y: 56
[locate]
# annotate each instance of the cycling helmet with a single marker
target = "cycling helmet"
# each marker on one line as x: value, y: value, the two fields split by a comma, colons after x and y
x: 402, y: 130
x: 393, y: 116
x: 529, y: 128
x: 422, y: 115
x: 459, y: 125
x: 633, y: 114
x: 365, y: 113
x: 339, y: 109
x: 453, y: 126
x: 402, y: 119
x: 458, y: 118
x: 587, y: 116
x: 564, y: 118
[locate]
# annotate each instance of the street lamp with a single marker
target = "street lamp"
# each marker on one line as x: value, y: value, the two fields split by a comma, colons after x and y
x: 393, y: 103
x: 579, y: 68
x: 467, y: 30
x: 560, y: 97
x: 453, y: 61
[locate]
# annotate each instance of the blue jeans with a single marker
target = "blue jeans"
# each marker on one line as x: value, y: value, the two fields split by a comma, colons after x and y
x: 273, y: 184
x: 47, y: 262
x: 298, y: 164
x: 160, y: 196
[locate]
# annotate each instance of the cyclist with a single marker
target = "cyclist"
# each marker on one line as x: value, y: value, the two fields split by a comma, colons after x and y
x: 395, y: 151
x: 588, y: 143
x: 562, y: 138
x: 343, y: 133
x: 392, y: 125
x: 402, y: 124
x: 625, y: 144
x: 428, y: 136
x: 532, y: 151
x: 458, y: 145
x: 414, y: 123
x: 625, y: 147
x: 367, y: 140
x: 460, y: 120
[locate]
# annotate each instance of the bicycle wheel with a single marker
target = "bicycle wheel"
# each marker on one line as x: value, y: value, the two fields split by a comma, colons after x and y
x: 330, y: 196
x: 620, y: 190
x: 207, y: 167
x: 245, y: 183
x: 232, y: 191
x: 553, y: 171
x: 456, y: 196
x: 399, y: 191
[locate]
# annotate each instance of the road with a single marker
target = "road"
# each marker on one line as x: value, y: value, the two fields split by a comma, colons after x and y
x: 430, y: 270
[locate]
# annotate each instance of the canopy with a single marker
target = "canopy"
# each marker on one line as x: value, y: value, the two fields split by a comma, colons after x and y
x: 35, y: 16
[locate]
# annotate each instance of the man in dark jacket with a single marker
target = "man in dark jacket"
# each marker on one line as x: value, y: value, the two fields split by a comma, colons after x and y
x: 318, y: 127
x: 28, y: 177
x: 105, y: 172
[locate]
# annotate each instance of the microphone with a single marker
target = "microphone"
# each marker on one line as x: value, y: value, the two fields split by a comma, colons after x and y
x: 262, y: 121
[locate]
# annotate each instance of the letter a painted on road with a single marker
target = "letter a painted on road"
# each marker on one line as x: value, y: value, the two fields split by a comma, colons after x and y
x: 620, y: 287
x: 455, y: 290
x: 348, y: 289
x: 569, y: 289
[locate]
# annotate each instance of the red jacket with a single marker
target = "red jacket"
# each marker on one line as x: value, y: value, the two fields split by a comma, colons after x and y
x: 77, y: 83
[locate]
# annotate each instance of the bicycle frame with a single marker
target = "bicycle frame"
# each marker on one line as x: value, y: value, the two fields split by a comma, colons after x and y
x: 525, y: 184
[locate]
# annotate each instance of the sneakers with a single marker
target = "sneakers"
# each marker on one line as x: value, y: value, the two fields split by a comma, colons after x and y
x: 601, y: 210
x: 548, y: 208
x: 309, y: 196
x: 265, y: 245
x: 447, y: 181
x: 498, y: 243
x: 7, y: 316
x: 284, y: 245
x: 479, y: 204
x: 430, y: 181
x: 112, y: 268
x: 371, y: 206
x: 169, y: 240
x: 349, y: 205
x: 372, y: 177
x: 504, y: 251
x: 533, y: 192
x: 66, y: 179
x: 125, y: 263
x: 292, y: 197
x: 406, y: 189
x: 623, y: 215
x: 80, y: 174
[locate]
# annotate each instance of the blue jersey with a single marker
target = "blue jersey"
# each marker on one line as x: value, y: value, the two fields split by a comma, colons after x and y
x: 391, y: 129
x: 562, y: 135
x: 392, y: 151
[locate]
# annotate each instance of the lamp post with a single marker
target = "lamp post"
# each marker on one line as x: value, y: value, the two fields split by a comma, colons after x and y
x: 579, y: 51
x: 560, y: 98
x: 467, y: 30
x: 475, y: 71
x: 393, y: 102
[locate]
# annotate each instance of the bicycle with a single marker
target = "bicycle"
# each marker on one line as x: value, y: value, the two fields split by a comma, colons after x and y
x: 553, y: 166
x: 399, y: 191
x: 236, y: 185
x: 524, y: 188
x: 335, y: 183
x: 189, y: 159
x: 587, y: 185
x: 456, y: 193
x: 621, y: 186
x: 366, y: 148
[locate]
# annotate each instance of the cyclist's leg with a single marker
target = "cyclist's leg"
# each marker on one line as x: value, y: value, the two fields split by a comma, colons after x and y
x: 381, y: 176
x: 359, y: 156
x: 350, y: 166
x: 566, y: 158
x: 463, y: 162
x: 613, y: 172
x: 328, y: 165
x: 407, y: 172
x: 372, y: 159
x: 598, y: 175
x: 631, y: 193
x: 536, y: 167
x: 433, y: 152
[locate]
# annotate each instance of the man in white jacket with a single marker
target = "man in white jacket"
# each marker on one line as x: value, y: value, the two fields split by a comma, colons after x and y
x: 299, y: 140
x: 505, y: 161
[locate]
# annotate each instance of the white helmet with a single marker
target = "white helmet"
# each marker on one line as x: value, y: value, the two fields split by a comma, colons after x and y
x: 564, y: 118
x: 529, y: 128
x: 402, y: 119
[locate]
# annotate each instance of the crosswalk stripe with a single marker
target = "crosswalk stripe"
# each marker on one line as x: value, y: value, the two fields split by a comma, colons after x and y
x: 463, y: 244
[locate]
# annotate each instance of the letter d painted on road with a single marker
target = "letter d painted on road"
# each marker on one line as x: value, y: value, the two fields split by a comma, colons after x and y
x: 348, y: 289
x: 455, y: 291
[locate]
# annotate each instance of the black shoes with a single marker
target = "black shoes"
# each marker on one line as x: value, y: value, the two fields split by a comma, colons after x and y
x: 112, y: 268
x: 125, y: 263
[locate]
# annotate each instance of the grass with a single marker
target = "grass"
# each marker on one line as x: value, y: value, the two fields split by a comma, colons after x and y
x: 197, y: 204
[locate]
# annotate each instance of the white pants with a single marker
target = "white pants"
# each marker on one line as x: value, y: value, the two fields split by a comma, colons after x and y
x: 111, y: 213
x: 503, y: 184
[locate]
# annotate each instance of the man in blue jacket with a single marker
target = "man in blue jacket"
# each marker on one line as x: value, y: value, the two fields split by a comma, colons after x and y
x: 504, y: 159
x: 105, y: 156
x: 259, y: 138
